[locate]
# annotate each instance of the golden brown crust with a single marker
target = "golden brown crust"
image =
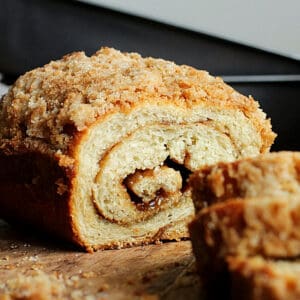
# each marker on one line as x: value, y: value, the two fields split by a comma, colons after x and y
x: 260, y: 279
x: 271, y: 174
x: 35, y: 190
x: 247, y: 227
x: 55, y: 102
x: 253, y: 209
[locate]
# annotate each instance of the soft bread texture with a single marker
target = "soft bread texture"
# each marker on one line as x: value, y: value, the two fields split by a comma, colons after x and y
x: 86, y: 143
x: 255, y: 278
x: 271, y: 174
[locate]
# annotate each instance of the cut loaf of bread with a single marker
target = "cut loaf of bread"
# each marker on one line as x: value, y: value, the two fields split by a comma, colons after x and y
x: 247, y: 230
x: 97, y: 149
x: 270, y: 174
x: 256, y: 278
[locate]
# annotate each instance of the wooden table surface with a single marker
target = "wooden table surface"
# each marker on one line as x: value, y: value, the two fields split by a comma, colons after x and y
x: 164, y: 271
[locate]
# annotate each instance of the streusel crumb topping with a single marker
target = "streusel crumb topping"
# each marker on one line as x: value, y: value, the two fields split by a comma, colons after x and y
x: 55, y: 101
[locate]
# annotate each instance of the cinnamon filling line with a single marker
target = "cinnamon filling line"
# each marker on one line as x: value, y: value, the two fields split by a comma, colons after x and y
x: 149, y: 189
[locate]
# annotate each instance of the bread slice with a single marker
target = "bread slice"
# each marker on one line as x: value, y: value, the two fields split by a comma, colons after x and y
x: 97, y: 149
x: 271, y: 174
x: 256, y: 278
x: 266, y: 226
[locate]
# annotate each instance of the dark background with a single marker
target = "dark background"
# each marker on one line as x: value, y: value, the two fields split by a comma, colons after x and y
x: 34, y: 32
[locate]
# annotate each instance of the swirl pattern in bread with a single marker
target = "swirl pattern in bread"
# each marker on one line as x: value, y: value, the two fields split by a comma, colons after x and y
x: 98, y: 149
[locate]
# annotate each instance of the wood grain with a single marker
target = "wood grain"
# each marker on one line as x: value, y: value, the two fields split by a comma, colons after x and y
x: 164, y: 271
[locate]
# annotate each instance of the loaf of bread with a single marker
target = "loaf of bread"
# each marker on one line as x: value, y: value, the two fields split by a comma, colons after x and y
x: 246, y: 233
x: 270, y: 174
x: 98, y: 149
x: 256, y: 278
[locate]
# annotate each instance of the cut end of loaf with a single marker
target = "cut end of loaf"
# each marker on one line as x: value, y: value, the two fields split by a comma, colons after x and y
x: 141, y: 146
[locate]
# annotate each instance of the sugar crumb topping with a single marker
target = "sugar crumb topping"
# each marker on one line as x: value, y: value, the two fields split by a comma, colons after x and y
x: 53, y: 102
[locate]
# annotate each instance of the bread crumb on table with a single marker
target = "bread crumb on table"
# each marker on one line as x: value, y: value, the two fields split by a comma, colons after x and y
x: 41, y: 286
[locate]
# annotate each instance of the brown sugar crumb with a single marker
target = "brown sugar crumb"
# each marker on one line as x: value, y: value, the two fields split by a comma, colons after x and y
x: 90, y: 274
x: 13, y: 246
x: 37, y: 286
x: 61, y: 187
x: 5, y: 258
x: 104, y: 287
x: 41, y: 286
